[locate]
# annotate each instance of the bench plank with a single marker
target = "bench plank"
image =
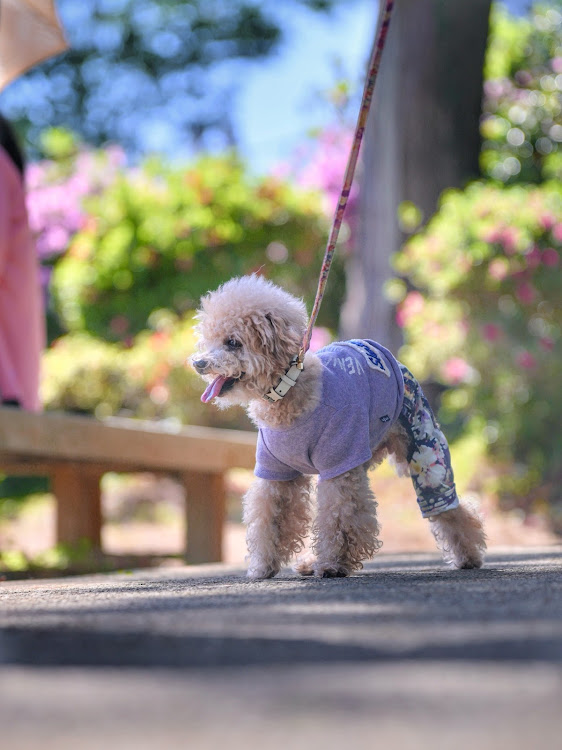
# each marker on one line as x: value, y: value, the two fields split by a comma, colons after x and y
x: 75, y: 451
x: 206, y: 510
x: 79, y: 515
x: 122, y: 445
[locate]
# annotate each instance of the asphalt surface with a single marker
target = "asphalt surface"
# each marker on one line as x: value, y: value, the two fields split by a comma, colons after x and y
x: 407, y: 653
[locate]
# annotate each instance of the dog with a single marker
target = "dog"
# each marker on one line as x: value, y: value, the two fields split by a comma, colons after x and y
x: 351, y: 405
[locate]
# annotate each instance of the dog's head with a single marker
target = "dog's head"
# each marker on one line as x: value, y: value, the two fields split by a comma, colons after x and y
x: 249, y: 330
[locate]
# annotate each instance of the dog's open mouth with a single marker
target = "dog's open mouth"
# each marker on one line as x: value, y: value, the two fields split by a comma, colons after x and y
x: 218, y: 387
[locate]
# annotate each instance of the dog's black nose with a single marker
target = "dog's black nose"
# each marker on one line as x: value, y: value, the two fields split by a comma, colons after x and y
x: 200, y: 364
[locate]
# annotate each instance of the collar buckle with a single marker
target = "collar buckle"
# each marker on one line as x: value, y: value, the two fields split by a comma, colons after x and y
x: 287, y: 381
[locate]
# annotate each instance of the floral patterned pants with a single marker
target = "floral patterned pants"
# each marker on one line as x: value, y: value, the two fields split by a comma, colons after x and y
x: 429, y: 459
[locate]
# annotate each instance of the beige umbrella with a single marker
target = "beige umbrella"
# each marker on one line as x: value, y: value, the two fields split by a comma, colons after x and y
x: 30, y: 32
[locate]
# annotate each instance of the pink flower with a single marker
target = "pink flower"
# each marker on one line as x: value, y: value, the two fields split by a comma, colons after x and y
x: 498, y: 269
x: 509, y: 240
x: 52, y: 241
x: 557, y: 232
x: 547, y: 221
x: 526, y: 360
x: 526, y: 293
x: 455, y: 370
x: 505, y: 236
x: 547, y: 343
x: 320, y: 337
x: 493, y: 236
x: 412, y: 305
x: 491, y: 332
x: 533, y: 258
x: 550, y: 257
x: 323, y: 166
x: 34, y: 174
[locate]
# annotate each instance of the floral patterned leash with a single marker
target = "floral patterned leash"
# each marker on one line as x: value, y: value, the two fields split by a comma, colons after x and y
x: 349, y: 172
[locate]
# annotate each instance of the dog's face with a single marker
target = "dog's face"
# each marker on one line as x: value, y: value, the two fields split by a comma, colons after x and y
x: 249, y: 330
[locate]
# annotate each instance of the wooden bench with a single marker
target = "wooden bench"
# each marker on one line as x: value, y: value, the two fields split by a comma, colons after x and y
x: 76, y: 451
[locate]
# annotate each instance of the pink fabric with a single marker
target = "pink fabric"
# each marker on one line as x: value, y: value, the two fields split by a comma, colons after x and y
x: 22, y: 329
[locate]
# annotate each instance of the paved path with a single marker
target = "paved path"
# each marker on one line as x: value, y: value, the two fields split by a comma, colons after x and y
x: 407, y: 653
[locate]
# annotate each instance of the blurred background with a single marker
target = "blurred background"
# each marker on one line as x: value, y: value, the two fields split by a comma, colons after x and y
x: 176, y: 144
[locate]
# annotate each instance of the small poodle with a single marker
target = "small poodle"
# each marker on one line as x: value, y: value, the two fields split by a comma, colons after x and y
x: 350, y: 405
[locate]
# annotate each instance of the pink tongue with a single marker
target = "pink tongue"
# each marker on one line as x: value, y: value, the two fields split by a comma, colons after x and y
x: 213, y: 389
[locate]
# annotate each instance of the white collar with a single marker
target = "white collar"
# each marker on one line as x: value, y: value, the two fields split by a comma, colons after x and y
x: 287, y: 381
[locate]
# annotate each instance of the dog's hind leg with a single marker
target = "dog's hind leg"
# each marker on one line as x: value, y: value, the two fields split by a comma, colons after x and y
x: 277, y: 515
x: 346, y: 528
x: 460, y: 536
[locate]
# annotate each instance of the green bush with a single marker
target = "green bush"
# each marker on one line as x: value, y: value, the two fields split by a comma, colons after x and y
x: 521, y: 126
x: 486, y: 317
x: 161, y: 236
x: 148, y: 379
x: 480, y: 286
x: 150, y: 242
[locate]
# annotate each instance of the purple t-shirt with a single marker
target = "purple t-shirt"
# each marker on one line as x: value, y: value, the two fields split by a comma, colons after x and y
x: 362, y: 393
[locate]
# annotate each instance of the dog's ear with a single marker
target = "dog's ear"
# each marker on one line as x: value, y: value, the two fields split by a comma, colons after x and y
x: 282, y: 339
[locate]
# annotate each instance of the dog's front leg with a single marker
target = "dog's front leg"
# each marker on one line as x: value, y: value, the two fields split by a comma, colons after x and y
x: 277, y: 515
x: 346, y: 528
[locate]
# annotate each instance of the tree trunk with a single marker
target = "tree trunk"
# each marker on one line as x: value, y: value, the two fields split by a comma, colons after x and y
x: 422, y: 136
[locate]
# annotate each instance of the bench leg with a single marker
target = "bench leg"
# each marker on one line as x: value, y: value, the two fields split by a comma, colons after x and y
x: 78, y: 496
x: 205, y: 508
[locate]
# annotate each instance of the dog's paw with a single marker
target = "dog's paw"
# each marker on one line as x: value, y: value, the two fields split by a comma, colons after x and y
x: 469, y: 562
x: 305, y: 566
x: 261, y: 572
x: 331, y: 570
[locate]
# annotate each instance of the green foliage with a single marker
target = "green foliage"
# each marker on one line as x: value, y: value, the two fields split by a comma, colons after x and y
x: 483, y: 278
x: 67, y: 558
x: 521, y: 126
x: 488, y: 273
x: 148, y: 379
x: 162, y: 236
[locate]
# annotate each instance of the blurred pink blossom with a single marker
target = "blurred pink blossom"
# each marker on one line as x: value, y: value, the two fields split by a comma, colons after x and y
x: 534, y: 257
x: 322, y: 167
x: 547, y: 343
x: 526, y: 360
x: 550, y: 257
x: 547, y: 221
x: 54, y: 199
x: 455, y: 370
x: 496, y: 87
x: 411, y: 306
x: 505, y: 236
x: 557, y: 232
x: 526, y: 293
x: 320, y: 337
x: 498, y: 269
x: 492, y: 332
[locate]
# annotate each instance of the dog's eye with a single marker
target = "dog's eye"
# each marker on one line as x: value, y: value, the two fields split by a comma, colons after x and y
x: 233, y: 344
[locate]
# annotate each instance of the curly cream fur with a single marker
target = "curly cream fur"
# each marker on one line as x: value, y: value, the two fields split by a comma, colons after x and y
x: 459, y: 534
x: 269, y: 321
x: 346, y: 529
x: 269, y: 324
x: 277, y: 515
